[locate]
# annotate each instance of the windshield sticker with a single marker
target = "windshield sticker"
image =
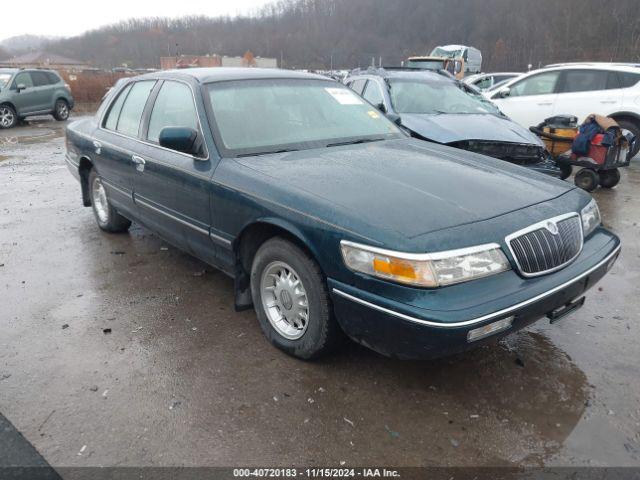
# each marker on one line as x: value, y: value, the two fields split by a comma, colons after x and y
x: 373, y: 114
x: 344, y: 96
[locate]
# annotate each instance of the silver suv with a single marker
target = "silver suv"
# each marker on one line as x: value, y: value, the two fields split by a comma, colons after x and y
x: 24, y: 93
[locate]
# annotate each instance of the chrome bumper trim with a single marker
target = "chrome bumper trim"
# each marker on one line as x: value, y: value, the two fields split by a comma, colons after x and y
x: 490, y: 316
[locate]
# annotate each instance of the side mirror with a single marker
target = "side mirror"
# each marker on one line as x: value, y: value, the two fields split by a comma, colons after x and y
x: 504, y: 92
x: 20, y: 87
x: 180, y: 139
x: 395, y: 118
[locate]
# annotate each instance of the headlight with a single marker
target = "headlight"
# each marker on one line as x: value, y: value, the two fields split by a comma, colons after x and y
x: 425, y: 270
x: 590, y: 217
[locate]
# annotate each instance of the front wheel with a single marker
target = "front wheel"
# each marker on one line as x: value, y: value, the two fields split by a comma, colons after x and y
x: 587, y: 179
x: 291, y: 300
x: 8, y: 117
x: 61, y: 110
x: 107, y: 217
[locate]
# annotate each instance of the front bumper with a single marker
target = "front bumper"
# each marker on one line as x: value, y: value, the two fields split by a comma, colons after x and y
x: 405, y: 331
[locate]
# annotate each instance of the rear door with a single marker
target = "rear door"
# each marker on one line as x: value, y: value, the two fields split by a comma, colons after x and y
x: 172, y: 191
x: 43, y: 90
x: 116, y: 143
x: 582, y: 92
x: 531, y: 99
x: 25, y: 100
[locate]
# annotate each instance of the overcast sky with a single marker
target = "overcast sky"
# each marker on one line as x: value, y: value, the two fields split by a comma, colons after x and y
x: 72, y: 17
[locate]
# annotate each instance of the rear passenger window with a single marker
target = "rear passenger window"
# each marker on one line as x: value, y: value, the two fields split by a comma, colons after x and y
x: 584, y: 80
x: 116, y: 108
x: 173, y: 107
x: 53, y: 78
x: 40, y: 79
x: 628, y: 79
x: 131, y: 113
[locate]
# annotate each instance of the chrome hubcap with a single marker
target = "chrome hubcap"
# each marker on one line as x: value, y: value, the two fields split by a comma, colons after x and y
x: 100, y: 202
x: 6, y: 117
x: 284, y: 300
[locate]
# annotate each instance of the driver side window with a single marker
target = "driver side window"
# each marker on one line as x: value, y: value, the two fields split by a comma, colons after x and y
x: 540, y: 84
x: 373, y: 94
x: 23, y: 78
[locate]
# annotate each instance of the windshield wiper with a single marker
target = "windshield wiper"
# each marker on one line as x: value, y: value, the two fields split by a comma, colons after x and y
x: 355, y: 142
x: 284, y: 150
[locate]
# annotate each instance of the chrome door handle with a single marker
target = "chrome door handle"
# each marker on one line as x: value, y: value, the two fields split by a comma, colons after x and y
x: 98, y: 146
x: 139, y: 162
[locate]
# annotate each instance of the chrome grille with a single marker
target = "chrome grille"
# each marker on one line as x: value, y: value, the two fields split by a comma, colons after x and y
x: 547, y: 246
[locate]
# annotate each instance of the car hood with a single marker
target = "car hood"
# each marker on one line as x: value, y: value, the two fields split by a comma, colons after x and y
x: 407, y: 186
x: 448, y: 128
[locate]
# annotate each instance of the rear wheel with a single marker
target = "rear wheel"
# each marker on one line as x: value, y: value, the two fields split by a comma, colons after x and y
x: 634, y: 128
x: 609, y: 178
x: 107, y: 217
x: 61, y: 110
x: 291, y: 300
x: 587, y: 179
x: 8, y: 117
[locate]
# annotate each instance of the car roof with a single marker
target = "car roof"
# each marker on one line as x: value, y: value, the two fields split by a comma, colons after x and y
x: 624, y: 67
x: 221, y: 74
x: 9, y: 70
x: 408, y: 73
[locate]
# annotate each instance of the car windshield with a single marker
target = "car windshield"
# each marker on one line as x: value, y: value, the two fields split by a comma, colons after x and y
x: 4, y: 79
x: 273, y: 115
x: 435, y: 97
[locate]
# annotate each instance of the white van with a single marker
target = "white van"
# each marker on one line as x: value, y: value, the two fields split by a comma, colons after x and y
x: 471, y: 56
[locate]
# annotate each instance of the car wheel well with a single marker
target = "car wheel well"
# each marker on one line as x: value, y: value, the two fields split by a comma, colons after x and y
x: 626, y: 116
x: 8, y: 104
x: 246, y: 247
x: 84, y: 169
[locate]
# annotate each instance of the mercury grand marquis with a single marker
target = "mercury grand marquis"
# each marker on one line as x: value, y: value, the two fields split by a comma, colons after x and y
x: 330, y: 219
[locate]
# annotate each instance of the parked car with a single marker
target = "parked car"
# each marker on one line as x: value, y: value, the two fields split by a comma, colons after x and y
x: 577, y: 89
x: 486, y: 81
x: 24, y: 93
x: 438, y: 108
x: 330, y: 219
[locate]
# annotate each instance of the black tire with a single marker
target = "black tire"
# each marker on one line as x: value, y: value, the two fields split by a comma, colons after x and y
x: 609, y: 178
x: 61, y: 110
x: 565, y: 170
x: 107, y: 217
x: 587, y: 179
x: 634, y: 128
x: 322, y: 331
x: 8, y: 117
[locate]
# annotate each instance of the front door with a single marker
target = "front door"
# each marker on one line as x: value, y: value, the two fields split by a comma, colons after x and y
x: 26, y: 100
x: 172, y: 189
x: 530, y: 100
